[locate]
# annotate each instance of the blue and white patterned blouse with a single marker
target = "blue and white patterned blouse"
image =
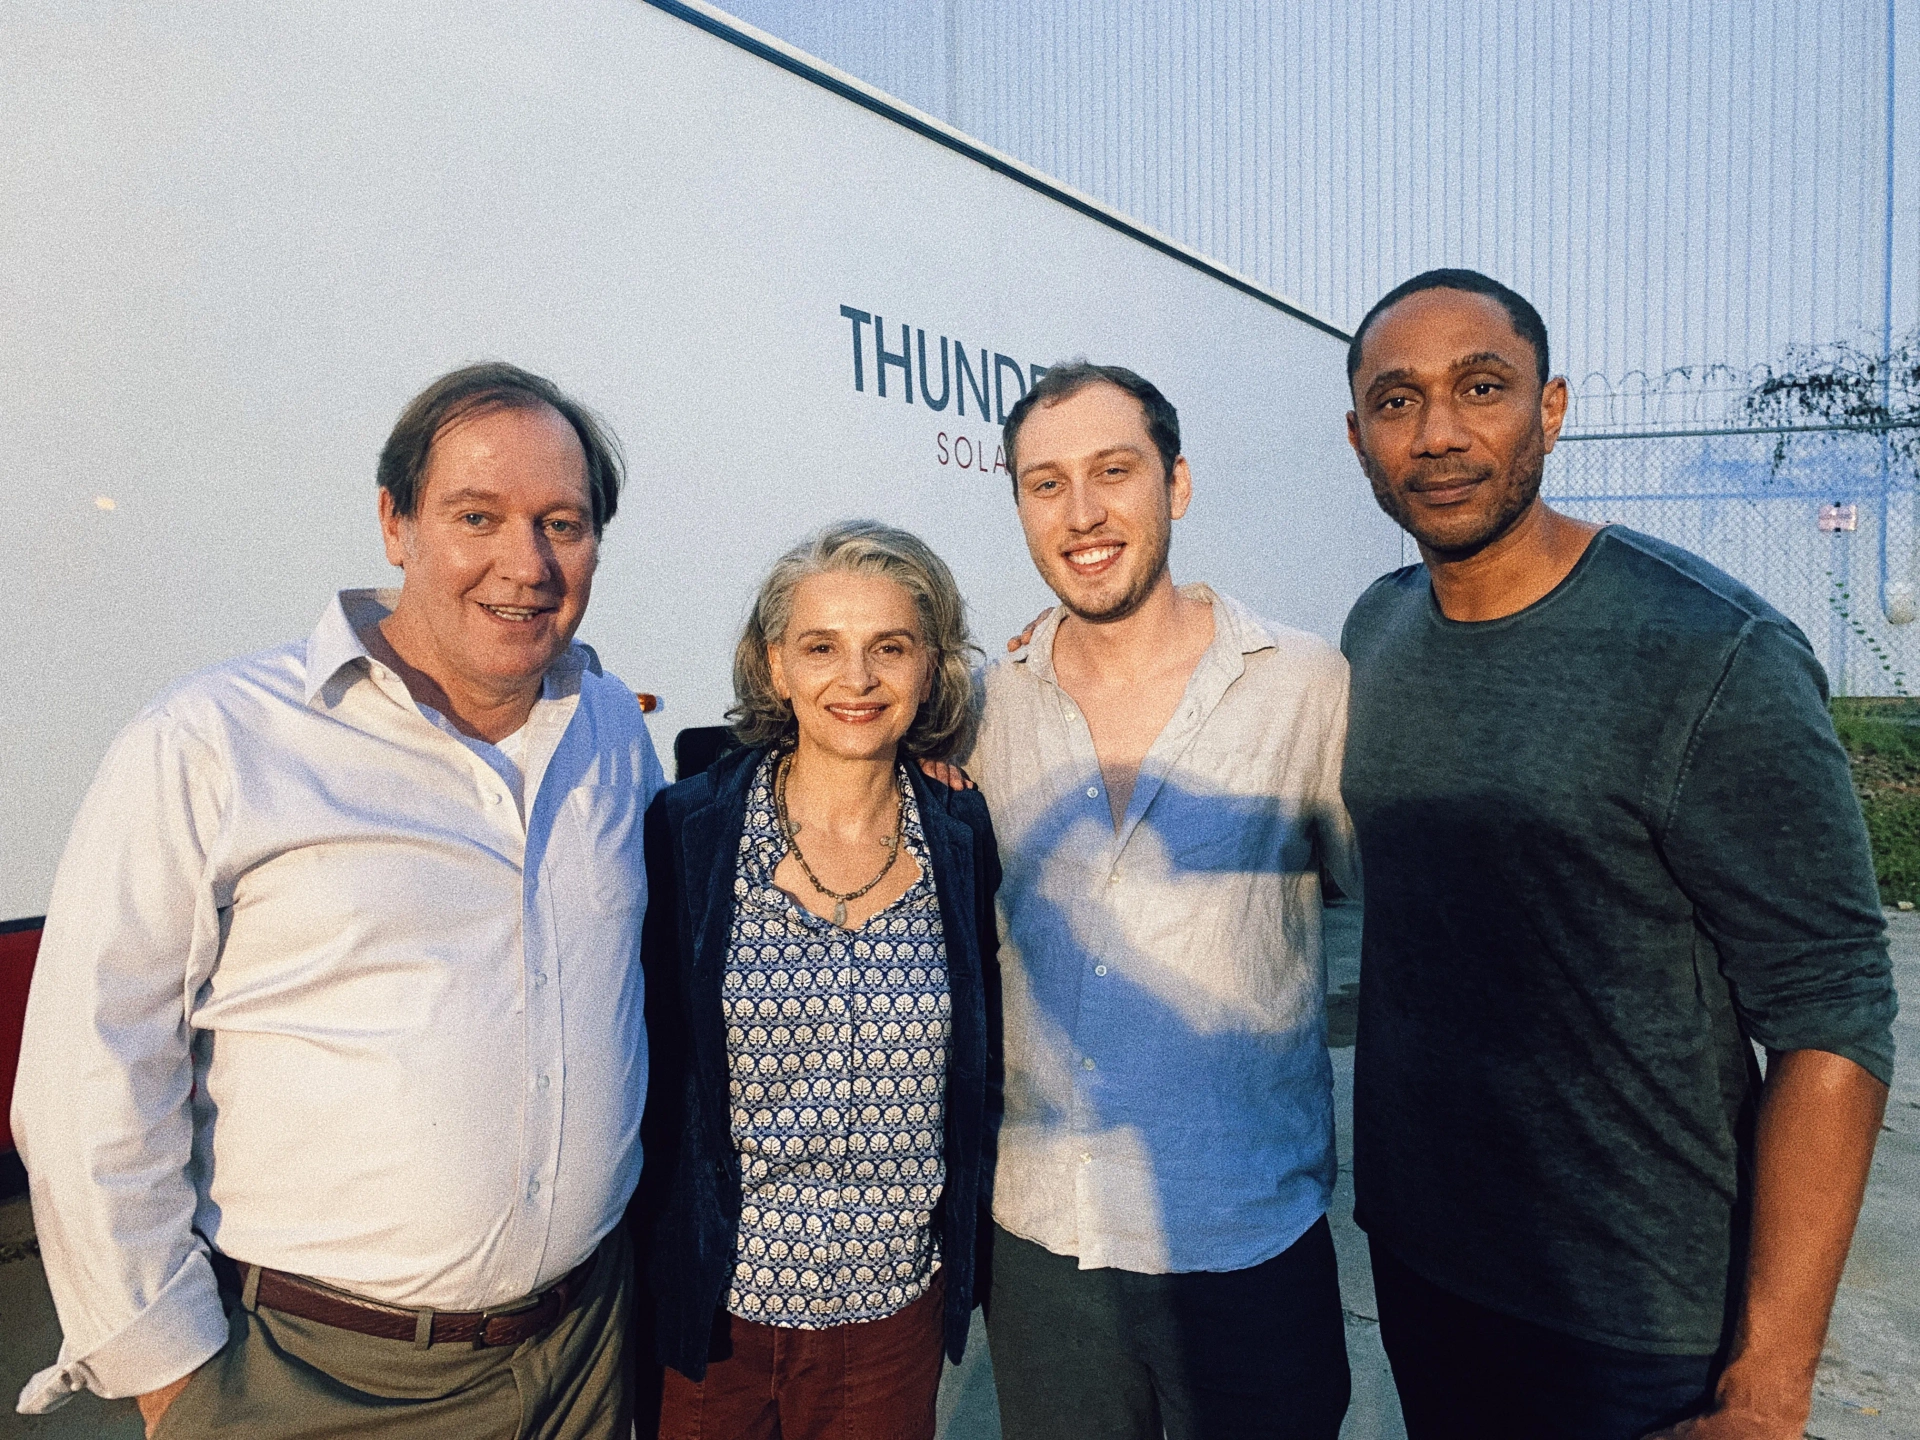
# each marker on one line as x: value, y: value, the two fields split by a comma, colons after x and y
x: 837, y: 1067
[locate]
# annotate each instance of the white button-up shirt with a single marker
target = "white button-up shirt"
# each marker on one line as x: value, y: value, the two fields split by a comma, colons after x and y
x: 1169, y: 1101
x: 314, y: 993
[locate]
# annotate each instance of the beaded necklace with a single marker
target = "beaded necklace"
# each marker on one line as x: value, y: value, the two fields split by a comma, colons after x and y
x: 791, y: 831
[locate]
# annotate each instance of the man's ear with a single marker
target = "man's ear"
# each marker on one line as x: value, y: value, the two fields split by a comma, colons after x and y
x: 1553, y: 408
x: 1180, y: 487
x: 396, y: 531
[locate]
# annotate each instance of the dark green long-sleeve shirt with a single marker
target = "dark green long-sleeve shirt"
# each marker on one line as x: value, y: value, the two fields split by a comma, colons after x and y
x: 1607, y: 841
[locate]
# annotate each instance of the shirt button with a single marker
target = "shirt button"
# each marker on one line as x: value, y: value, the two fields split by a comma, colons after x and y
x: 544, y: 1081
x: 495, y: 798
x: 1087, y: 1063
x: 1098, y: 970
x: 539, y: 979
x: 1113, y: 879
x: 1093, y: 792
x: 1086, y: 1157
x: 533, y: 1188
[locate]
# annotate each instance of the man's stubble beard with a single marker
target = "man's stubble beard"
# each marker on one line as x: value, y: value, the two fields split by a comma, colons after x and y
x: 1135, y: 594
x: 1518, y: 490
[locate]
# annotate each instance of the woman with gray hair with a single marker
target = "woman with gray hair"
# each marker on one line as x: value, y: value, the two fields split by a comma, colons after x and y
x: 823, y: 1015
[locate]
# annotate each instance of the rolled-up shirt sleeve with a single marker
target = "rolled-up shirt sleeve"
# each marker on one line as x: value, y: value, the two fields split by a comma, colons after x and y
x: 1339, y: 851
x: 102, y: 1102
x: 1766, y: 839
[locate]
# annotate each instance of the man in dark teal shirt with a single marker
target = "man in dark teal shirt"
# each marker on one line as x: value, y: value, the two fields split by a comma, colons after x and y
x: 1610, y: 846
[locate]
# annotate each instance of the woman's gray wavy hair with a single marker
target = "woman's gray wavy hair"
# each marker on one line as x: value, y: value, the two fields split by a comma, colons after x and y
x: 946, y: 721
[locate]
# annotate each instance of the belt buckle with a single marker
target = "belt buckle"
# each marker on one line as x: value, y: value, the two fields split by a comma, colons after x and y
x: 487, y: 1317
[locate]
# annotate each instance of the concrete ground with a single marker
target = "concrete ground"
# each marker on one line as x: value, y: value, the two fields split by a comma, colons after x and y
x: 1869, y: 1385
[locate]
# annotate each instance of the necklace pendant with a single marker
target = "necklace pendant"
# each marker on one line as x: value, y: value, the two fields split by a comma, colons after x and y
x: 840, y: 914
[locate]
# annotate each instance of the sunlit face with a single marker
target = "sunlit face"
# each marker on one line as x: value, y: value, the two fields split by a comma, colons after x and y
x: 500, y: 552
x: 854, y: 664
x: 1096, y: 504
x: 1450, y: 420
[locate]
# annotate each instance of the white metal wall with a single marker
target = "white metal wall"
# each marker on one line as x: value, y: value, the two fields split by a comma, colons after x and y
x: 1674, y: 182
x: 235, y: 239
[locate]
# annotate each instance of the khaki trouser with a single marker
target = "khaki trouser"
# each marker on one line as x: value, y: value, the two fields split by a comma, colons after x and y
x: 280, y: 1377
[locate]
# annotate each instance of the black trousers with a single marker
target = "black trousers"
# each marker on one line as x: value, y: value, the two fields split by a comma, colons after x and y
x: 1464, y: 1370
x: 1115, y: 1355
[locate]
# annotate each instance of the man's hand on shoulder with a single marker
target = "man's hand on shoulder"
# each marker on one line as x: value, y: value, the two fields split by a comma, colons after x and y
x: 947, y: 773
x: 155, y: 1403
x: 1026, y: 636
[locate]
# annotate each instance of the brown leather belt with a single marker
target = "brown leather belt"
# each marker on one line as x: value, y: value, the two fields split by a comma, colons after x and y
x: 292, y: 1295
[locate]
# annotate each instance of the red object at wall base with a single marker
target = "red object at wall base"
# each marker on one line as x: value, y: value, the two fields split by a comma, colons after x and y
x: 19, y: 944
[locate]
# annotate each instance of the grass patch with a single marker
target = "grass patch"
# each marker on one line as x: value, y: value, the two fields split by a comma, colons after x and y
x: 1882, y: 739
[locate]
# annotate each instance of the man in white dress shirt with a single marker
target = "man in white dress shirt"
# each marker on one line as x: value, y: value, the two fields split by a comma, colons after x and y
x: 334, y: 1061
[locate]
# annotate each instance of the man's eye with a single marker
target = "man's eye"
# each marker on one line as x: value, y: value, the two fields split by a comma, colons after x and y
x: 563, y: 527
x: 1483, y: 388
x: 473, y: 517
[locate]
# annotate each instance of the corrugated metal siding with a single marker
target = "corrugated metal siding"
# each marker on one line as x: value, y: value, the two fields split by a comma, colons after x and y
x: 1674, y: 184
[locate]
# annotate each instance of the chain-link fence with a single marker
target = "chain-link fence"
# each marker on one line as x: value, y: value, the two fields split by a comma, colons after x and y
x: 1821, y: 522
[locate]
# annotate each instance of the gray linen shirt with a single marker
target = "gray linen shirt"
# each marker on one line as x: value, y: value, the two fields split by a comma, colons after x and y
x: 1168, y: 1093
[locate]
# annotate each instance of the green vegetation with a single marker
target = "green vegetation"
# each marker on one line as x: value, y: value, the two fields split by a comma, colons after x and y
x: 1882, y: 738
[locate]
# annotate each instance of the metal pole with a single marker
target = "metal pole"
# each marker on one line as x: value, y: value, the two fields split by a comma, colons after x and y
x: 1896, y: 595
x: 1886, y: 292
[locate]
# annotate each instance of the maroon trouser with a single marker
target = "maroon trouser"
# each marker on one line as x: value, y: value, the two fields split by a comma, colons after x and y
x: 871, y: 1381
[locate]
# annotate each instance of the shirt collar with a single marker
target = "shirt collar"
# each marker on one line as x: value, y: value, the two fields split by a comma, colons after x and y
x: 336, y: 644
x: 1236, y: 631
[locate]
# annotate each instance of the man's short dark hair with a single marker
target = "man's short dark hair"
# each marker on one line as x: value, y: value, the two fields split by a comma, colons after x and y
x: 1526, y: 320
x: 474, y: 390
x: 1068, y: 379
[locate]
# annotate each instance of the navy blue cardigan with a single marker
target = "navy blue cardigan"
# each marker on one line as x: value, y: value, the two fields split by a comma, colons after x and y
x: 687, y: 1213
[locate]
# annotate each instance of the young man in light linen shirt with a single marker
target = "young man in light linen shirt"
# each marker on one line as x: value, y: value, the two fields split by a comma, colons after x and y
x: 333, y: 1068
x: 1163, y: 770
